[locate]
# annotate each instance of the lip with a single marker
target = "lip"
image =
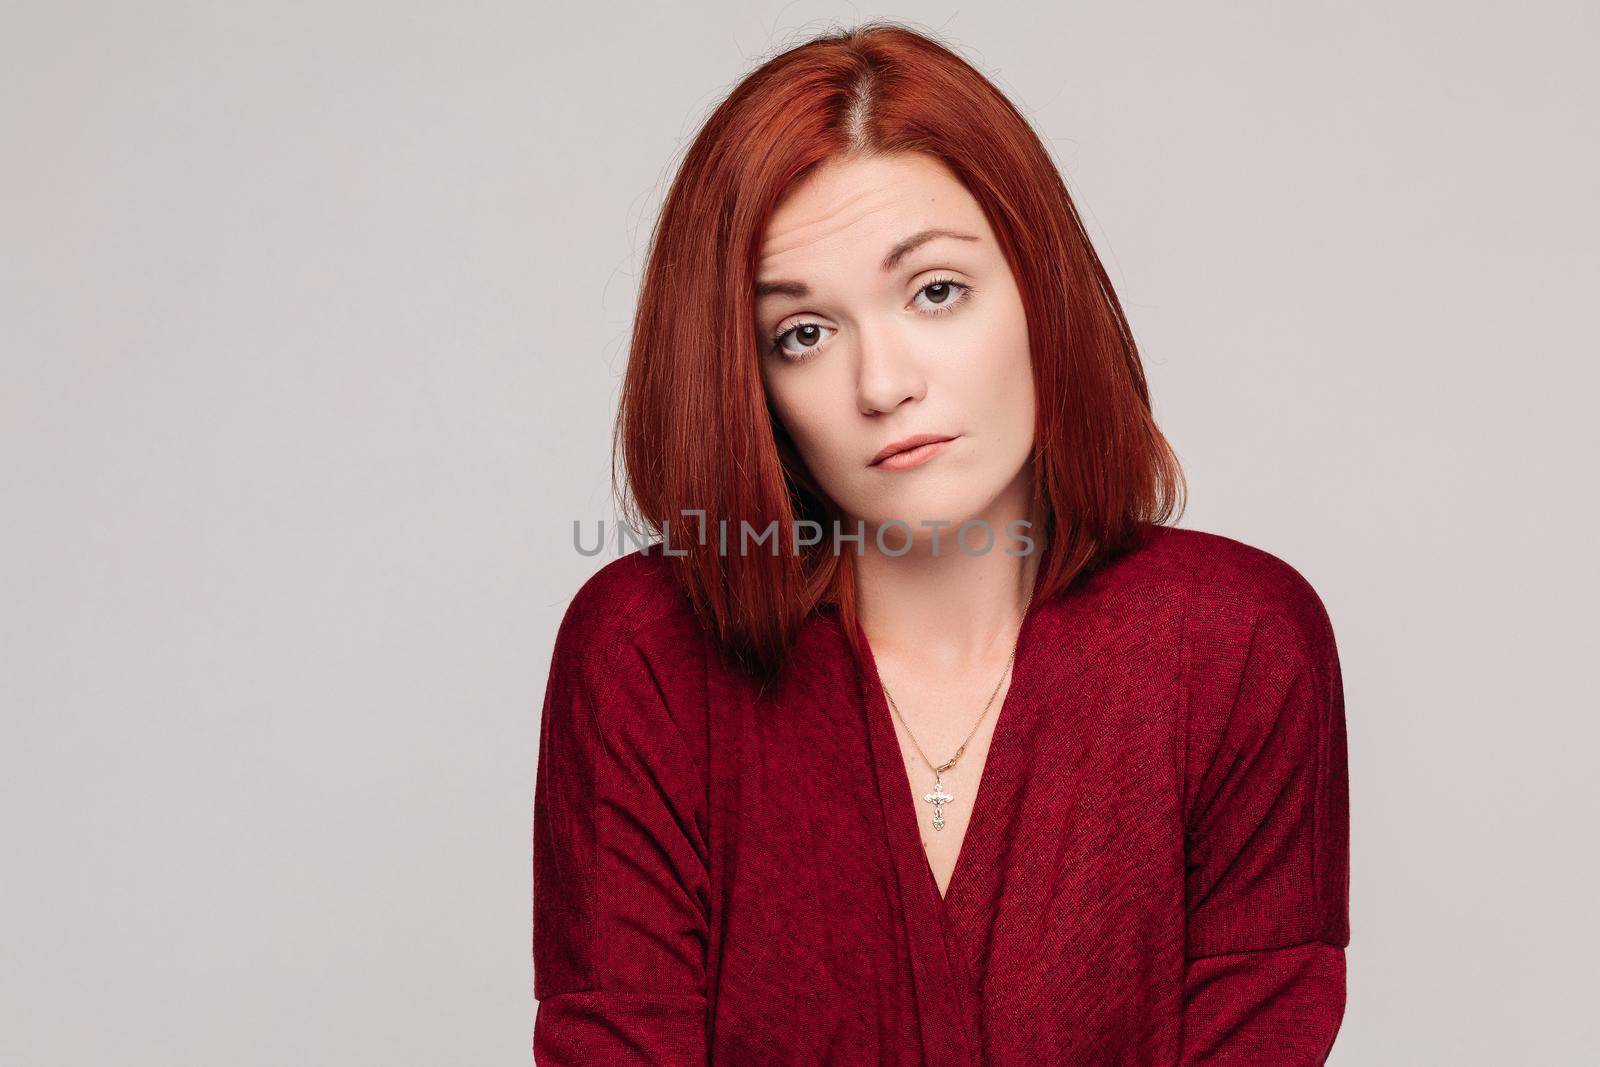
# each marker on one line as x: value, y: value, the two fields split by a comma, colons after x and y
x: 911, y: 451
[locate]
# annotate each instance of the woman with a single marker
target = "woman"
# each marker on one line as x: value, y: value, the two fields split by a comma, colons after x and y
x: 888, y: 797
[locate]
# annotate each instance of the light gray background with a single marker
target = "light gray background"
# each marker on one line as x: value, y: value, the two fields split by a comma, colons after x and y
x: 313, y: 316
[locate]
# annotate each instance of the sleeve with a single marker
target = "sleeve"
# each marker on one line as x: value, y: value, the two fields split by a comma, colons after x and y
x: 1267, y: 822
x: 620, y: 880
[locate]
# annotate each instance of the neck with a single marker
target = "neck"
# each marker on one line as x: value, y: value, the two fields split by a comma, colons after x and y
x: 953, y: 609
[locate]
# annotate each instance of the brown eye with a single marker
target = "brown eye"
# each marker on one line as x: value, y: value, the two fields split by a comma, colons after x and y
x: 942, y: 295
x: 800, y: 341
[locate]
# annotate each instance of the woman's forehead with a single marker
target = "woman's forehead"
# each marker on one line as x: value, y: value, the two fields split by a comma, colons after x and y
x: 873, y: 202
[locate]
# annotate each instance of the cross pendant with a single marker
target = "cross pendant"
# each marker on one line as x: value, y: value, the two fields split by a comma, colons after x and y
x: 938, y: 798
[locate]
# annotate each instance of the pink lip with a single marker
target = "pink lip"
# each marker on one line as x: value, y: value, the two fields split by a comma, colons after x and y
x: 911, y: 452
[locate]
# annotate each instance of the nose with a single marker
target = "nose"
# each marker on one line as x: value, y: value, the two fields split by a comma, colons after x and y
x: 888, y: 372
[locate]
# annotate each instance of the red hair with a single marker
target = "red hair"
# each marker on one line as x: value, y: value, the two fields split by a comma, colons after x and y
x: 694, y: 426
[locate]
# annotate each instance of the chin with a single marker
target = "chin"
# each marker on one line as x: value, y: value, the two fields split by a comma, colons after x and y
x: 952, y: 505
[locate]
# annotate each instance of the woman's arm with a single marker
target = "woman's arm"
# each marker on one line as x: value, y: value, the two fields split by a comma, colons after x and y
x: 1268, y: 848
x: 620, y: 884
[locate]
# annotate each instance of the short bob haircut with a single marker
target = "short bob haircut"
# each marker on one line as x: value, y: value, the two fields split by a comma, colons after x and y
x: 694, y: 426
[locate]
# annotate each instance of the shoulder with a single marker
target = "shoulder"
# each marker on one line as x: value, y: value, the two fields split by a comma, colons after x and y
x: 1227, y: 588
x: 625, y: 598
x: 629, y: 623
x: 626, y: 686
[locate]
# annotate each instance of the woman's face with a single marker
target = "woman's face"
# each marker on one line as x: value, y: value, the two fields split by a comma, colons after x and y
x: 887, y: 310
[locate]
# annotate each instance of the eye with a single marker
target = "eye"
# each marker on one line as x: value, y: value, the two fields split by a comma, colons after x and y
x: 799, y: 342
x: 943, y: 295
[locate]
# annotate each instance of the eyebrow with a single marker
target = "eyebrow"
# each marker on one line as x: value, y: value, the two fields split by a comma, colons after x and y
x: 900, y: 251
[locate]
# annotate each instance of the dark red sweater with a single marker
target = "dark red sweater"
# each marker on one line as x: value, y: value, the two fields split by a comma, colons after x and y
x: 1156, y: 869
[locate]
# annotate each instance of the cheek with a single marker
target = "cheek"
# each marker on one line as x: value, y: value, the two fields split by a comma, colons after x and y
x: 1013, y: 355
x: 1020, y: 401
x: 804, y: 414
x: 996, y: 371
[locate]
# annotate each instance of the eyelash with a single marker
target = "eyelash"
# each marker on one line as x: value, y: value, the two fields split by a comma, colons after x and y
x: 775, y: 342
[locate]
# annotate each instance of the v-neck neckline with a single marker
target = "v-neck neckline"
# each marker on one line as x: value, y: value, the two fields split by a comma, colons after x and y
x: 947, y: 995
x: 992, y: 777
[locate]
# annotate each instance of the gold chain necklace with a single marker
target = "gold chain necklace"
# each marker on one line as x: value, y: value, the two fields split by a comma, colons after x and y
x: 939, y: 798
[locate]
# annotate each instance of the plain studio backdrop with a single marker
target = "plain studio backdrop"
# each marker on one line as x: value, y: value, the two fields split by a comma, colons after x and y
x: 313, y: 317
